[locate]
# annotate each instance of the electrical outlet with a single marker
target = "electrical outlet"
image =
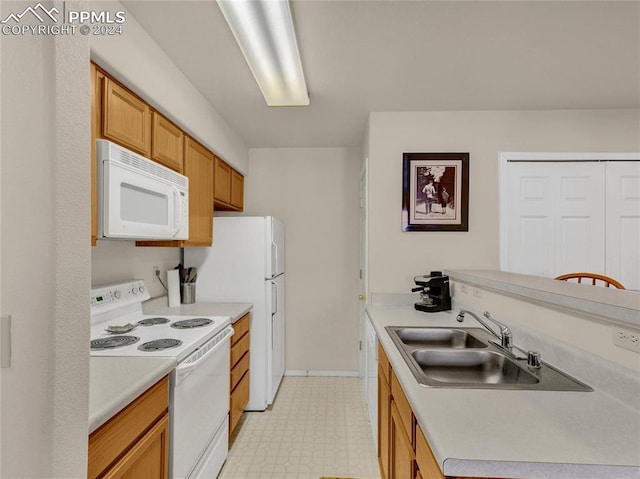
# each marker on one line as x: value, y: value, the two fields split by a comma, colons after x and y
x: 477, y: 292
x: 626, y: 338
x: 156, y: 274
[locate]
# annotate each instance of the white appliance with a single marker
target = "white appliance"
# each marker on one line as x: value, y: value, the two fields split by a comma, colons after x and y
x: 138, y: 198
x: 199, y: 386
x: 246, y: 264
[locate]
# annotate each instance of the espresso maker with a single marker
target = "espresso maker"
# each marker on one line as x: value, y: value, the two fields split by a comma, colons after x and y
x: 434, y: 292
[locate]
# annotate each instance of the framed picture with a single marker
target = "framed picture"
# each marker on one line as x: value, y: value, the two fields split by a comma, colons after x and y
x: 435, y: 192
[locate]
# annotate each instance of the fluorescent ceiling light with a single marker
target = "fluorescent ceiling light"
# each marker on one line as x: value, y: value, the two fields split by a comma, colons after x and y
x: 264, y: 31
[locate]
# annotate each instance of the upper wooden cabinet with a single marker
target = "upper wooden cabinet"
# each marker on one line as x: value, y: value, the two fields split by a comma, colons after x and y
x: 126, y: 119
x: 198, y: 167
x: 237, y: 190
x: 222, y: 175
x: 96, y: 115
x: 167, y: 143
x: 229, y: 187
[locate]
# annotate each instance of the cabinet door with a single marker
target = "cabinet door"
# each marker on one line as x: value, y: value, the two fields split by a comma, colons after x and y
x: 167, y: 143
x: 148, y: 458
x: 222, y: 190
x: 237, y: 190
x: 402, y: 457
x: 96, y: 113
x: 622, y: 255
x: 384, y: 417
x: 424, y: 457
x: 126, y: 119
x: 198, y: 167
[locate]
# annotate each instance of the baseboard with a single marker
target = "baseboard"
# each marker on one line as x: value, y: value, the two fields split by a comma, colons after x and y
x: 294, y: 372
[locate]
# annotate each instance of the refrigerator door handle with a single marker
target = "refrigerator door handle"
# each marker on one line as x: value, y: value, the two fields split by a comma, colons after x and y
x: 274, y: 259
x: 274, y: 311
x: 274, y: 298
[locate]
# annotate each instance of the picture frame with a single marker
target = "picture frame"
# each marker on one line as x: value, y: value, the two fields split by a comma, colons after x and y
x: 435, y: 192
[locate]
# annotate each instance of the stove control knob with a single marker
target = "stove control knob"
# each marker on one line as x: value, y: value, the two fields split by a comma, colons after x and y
x: 117, y: 294
x: 141, y: 289
x: 134, y: 290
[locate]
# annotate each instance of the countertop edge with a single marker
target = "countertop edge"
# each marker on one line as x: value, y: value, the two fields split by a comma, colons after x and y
x: 539, y: 470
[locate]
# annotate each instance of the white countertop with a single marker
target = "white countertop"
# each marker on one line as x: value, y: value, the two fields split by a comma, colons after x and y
x: 514, y: 433
x: 234, y: 310
x: 116, y: 381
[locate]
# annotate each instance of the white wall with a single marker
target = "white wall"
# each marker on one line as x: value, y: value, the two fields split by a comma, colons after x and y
x: 138, y: 62
x: 45, y: 256
x: 395, y: 257
x: 315, y: 192
x: 113, y: 261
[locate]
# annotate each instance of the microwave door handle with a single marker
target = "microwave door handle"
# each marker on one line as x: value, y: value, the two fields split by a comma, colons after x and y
x: 177, y: 208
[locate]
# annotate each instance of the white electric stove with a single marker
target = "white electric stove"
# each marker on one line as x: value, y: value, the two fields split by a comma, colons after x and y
x: 198, y: 403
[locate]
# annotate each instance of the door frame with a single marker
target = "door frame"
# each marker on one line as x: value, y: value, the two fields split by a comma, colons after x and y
x: 504, y: 158
x: 363, y: 300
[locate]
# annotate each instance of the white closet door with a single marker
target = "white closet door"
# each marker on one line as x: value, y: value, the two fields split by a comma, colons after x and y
x: 555, y: 217
x: 530, y: 219
x: 579, y: 216
x: 623, y: 222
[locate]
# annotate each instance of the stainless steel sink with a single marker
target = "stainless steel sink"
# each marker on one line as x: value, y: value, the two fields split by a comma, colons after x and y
x: 475, y: 367
x: 438, y: 338
x: 470, y: 358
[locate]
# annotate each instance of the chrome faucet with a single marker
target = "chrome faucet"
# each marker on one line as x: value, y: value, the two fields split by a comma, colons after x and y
x: 505, y: 336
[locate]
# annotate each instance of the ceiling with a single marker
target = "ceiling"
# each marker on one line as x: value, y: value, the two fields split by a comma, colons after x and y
x: 420, y: 55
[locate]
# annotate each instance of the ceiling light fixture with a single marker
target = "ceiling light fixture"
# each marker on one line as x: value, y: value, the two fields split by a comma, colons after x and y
x: 264, y: 31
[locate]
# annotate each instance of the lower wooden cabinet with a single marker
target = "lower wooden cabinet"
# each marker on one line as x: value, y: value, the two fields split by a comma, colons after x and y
x: 135, y: 442
x: 148, y: 458
x: 402, y: 455
x: 240, y: 377
x: 384, y: 421
x: 403, y: 450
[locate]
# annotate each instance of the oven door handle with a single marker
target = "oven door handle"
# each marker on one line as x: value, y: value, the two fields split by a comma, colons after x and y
x: 195, y: 360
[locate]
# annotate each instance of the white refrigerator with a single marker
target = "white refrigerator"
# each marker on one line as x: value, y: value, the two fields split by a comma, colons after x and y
x: 246, y: 264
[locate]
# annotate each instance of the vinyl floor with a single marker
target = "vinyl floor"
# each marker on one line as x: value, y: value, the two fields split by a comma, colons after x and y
x: 316, y: 427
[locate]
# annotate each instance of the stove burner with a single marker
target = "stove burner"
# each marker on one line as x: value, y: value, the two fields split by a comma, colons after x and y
x: 152, y: 321
x: 191, y: 323
x: 160, y: 344
x: 113, y: 342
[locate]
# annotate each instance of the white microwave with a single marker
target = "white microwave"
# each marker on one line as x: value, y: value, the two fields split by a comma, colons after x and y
x: 138, y: 198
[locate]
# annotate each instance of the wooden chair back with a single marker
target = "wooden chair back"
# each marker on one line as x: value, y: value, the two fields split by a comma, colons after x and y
x: 591, y: 278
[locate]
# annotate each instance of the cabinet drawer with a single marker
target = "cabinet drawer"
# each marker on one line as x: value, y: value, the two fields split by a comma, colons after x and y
x: 384, y: 362
x: 240, y: 327
x: 149, y: 457
x: 239, y: 400
x: 112, y: 439
x: 424, y: 457
x: 239, y: 369
x: 404, y: 408
x: 238, y: 349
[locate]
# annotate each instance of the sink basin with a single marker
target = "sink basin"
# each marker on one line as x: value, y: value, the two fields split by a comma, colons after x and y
x: 471, y: 367
x: 438, y: 338
x: 471, y: 358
